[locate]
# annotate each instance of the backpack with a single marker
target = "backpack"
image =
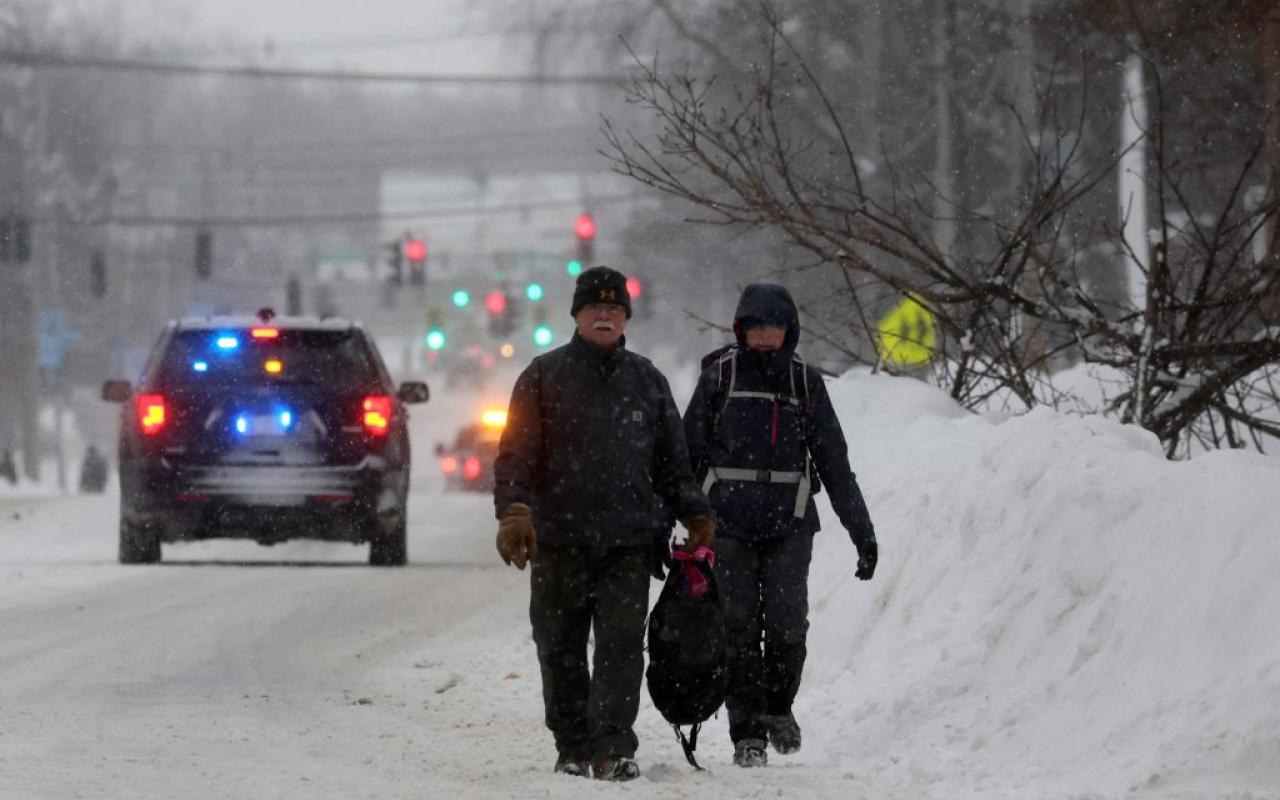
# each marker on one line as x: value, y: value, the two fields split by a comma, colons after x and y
x: 688, y: 670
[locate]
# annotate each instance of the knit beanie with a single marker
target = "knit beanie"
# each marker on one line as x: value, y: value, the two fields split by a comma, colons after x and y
x: 600, y: 285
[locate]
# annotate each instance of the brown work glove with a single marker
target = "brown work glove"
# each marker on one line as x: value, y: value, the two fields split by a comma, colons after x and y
x: 702, y: 532
x: 517, y: 541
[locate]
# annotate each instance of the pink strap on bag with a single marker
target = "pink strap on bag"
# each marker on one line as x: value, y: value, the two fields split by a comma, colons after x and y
x: 694, y: 579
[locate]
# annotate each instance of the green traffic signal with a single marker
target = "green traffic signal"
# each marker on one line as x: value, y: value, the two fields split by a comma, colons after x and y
x: 461, y: 298
x: 542, y: 335
x: 435, y: 339
x: 534, y: 292
x: 573, y: 268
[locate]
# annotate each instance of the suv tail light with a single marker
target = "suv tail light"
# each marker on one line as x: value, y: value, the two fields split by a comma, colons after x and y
x: 151, y: 413
x: 377, y: 414
x: 471, y: 468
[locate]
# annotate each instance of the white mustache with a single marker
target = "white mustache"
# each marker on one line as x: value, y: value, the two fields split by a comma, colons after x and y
x: 602, y: 325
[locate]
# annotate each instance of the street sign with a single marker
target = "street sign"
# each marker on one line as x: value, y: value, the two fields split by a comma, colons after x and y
x: 907, y: 334
x: 52, y: 338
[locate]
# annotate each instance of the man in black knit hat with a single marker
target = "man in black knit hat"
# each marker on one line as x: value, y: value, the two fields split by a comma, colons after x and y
x: 592, y: 435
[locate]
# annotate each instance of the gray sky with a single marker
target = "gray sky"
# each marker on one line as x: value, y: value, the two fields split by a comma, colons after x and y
x: 399, y: 35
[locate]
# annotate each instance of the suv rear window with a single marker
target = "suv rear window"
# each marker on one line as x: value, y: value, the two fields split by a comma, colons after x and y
x: 235, y: 357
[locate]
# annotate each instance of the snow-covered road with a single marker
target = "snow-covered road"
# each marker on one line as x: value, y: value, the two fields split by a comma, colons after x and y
x: 303, y: 673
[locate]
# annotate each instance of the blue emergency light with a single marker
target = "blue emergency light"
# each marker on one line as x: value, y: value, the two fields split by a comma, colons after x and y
x: 227, y: 342
x: 200, y: 366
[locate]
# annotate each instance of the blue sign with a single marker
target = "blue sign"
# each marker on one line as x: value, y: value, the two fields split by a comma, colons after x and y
x: 53, y: 338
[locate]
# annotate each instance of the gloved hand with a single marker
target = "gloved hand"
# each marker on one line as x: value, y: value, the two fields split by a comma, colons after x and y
x: 868, y: 553
x: 661, y: 556
x: 517, y: 540
x: 702, y: 532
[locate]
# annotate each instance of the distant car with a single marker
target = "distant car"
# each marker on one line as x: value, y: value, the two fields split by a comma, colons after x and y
x: 266, y: 429
x: 468, y: 464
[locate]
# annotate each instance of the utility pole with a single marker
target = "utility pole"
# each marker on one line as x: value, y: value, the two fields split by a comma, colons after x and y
x: 944, y: 160
x: 1132, y: 176
x: 29, y: 304
x: 1270, y: 47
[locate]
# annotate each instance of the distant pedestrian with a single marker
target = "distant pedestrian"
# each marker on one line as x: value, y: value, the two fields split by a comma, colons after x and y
x: 763, y: 435
x: 592, y: 434
x: 93, y: 471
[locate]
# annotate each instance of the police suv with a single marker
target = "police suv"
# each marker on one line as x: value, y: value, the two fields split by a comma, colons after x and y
x: 264, y: 428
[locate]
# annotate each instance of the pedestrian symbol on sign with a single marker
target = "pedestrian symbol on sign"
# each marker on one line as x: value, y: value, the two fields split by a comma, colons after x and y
x: 907, y: 334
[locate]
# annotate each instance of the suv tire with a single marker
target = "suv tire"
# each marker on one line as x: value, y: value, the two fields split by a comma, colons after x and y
x: 139, y: 544
x: 389, y: 547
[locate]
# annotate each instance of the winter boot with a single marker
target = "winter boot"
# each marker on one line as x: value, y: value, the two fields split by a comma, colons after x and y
x: 750, y: 753
x: 569, y: 765
x: 784, y: 732
x: 618, y: 768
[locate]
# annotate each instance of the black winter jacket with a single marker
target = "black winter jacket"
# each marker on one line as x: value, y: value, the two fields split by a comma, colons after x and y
x: 762, y: 435
x: 590, y: 437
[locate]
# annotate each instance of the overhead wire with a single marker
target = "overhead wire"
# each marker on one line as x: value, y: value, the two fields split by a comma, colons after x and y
x: 62, y: 61
x: 440, y: 212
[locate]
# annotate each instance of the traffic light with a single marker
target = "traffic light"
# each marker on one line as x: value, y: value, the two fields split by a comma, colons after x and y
x: 542, y: 333
x: 584, y: 229
x: 533, y: 291
x: 6, y: 238
x: 641, y: 303
x: 415, y: 252
x: 204, y: 253
x: 461, y: 298
x: 293, y: 296
x: 501, y: 313
x: 435, y: 338
x: 21, y: 240
x: 15, y: 239
x: 395, y: 264
x: 574, y: 268
x: 98, y: 275
x: 495, y: 302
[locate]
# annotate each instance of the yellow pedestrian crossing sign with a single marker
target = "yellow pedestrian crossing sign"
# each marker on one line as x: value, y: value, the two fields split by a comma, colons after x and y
x: 907, y: 334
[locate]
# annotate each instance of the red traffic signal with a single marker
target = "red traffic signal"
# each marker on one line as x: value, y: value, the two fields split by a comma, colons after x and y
x: 415, y: 249
x: 634, y: 287
x: 584, y: 227
x: 495, y: 302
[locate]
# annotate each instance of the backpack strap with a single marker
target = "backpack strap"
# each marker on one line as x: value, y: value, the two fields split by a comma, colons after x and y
x: 728, y: 366
x: 689, y: 744
x: 800, y: 377
x: 727, y: 369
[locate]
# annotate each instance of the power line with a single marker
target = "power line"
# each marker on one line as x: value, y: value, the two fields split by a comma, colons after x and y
x: 53, y: 60
x: 444, y: 212
x: 408, y: 143
x: 273, y: 46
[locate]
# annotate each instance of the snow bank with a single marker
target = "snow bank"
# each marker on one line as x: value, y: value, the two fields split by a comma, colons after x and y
x: 1056, y: 605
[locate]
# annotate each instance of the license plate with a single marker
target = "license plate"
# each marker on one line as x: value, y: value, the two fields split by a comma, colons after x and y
x: 262, y: 425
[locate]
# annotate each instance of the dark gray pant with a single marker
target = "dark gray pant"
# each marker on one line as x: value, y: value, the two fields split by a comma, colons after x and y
x: 765, y: 588
x: 591, y: 713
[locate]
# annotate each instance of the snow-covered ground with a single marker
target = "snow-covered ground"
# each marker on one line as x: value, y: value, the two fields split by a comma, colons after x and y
x: 1058, y: 613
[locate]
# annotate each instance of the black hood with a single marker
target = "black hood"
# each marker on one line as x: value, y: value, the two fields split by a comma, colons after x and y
x: 772, y: 304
